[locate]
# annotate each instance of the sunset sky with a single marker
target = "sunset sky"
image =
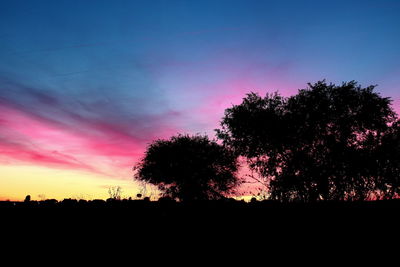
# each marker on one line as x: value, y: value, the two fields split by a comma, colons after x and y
x: 86, y: 85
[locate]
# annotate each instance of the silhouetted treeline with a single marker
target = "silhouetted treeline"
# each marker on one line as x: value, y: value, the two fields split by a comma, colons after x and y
x: 165, y: 202
x: 210, y: 221
x: 326, y: 143
x: 168, y: 214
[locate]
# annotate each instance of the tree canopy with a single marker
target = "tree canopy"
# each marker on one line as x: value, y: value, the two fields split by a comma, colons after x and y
x: 189, y: 168
x: 327, y: 142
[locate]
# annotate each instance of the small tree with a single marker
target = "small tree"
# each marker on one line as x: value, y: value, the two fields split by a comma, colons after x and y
x: 189, y: 168
x: 27, y: 198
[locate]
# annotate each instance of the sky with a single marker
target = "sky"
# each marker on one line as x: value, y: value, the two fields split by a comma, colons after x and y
x: 85, y: 85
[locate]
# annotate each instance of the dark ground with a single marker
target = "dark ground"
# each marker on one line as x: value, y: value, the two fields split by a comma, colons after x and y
x: 165, y: 213
x: 258, y: 229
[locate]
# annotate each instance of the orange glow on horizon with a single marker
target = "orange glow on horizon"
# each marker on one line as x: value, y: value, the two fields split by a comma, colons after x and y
x: 42, y: 182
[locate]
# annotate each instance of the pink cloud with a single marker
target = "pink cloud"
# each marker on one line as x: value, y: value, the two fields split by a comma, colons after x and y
x: 23, y: 154
x: 91, y: 145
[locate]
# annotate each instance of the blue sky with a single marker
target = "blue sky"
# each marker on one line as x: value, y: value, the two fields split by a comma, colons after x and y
x: 118, y: 74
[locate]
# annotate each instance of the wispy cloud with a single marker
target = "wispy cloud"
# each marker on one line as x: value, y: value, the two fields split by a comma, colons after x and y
x: 51, y: 129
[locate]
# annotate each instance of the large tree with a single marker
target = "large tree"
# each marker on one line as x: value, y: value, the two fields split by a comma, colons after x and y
x: 189, y: 168
x: 319, y: 144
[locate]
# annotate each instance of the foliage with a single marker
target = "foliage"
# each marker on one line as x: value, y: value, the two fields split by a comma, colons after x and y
x: 324, y: 143
x: 189, y: 168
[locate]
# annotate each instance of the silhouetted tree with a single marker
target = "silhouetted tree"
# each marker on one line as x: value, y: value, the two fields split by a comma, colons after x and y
x: 27, y: 198
x: 189, y: 168
x: 320, y: 144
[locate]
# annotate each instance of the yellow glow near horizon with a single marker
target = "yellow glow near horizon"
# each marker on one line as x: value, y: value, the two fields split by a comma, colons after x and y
x: 18, y: 181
